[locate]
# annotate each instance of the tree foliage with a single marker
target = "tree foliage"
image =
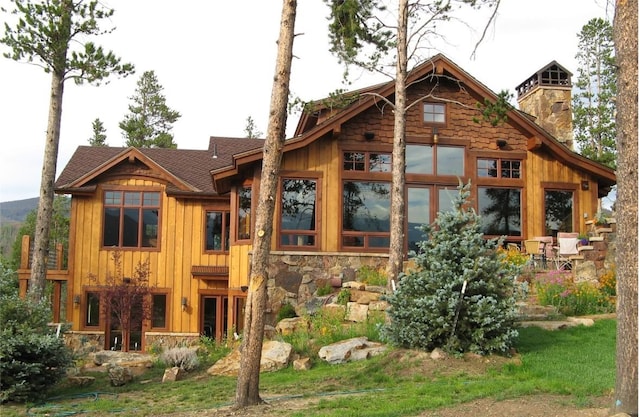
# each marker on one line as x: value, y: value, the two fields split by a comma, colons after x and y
x: 99, y: 137
x: 54, y: 34
x: 149, y: 123
x: 33, y: 358
x: 594, y: 105
x: 462, y: 297
x: 251, y: 130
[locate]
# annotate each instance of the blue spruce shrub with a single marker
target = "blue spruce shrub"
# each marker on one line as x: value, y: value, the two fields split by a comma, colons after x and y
x: 461, y: 297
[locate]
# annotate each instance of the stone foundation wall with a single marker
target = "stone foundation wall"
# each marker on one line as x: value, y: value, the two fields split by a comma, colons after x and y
x: 84, y: 343
x: 294, y: 277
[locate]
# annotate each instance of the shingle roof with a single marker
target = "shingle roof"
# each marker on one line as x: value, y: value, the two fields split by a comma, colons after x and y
x: 188, y: 166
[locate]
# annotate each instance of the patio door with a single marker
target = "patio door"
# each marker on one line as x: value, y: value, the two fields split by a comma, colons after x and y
x: 124, y: 328
x: 213, y: 321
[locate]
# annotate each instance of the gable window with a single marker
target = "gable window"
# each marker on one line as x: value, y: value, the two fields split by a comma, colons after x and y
x: 365, y: 214
x: 441, y: 159
x: 131, y: 219
x: 500, y: 211
x: 244, y: 213
x: 298, y: 205
x: 367, y: 162
x: 217, y: 230
x: 434, y: 113
x: 558, y: 211
x: 498, y: 168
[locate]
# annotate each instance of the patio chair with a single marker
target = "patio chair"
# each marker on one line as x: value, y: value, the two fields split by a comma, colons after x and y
x: 546, y: 247
x: 533, y: 248
x: 566, y: 248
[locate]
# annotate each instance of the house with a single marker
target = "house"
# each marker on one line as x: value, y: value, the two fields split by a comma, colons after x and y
x: 188, y: 213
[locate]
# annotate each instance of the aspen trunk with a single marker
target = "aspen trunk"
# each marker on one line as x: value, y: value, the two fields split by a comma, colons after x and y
x: 247, y: 389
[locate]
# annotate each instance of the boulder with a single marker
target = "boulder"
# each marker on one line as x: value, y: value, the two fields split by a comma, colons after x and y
x: 119, y: 375
x: 302, y: 364
x: 173, y: 374
x: 358, y: 348
x: 357, y: 312
x: 288, y: 326
x: 275, y: 356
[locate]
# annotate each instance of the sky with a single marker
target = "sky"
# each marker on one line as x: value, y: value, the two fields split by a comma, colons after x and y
x: 216, y: 60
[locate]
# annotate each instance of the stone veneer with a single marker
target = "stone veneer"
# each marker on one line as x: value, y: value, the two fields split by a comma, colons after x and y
x: 294, y: 277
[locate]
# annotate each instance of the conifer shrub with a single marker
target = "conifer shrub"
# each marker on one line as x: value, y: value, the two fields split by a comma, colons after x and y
x: 32, y: 358
x: 461, y: 296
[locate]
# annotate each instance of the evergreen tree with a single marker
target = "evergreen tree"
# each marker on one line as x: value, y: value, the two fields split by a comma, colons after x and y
x: 99, y: 137
x: 462, y: 296
x: 55, y: 35
x: 150, y: 120
x: 594, y: 104
x: 251, y: 130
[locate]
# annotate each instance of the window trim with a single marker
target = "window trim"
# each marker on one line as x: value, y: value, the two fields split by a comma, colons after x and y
x: 142, y: 190
x: 317, y: 232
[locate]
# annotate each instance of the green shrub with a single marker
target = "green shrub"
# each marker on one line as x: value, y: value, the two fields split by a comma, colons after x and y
x: 287, y: 311
x: 182, y: 357
x: 212, y: 350
x: 33, y: 359
x: 344, y: 296
x: 462, y: 297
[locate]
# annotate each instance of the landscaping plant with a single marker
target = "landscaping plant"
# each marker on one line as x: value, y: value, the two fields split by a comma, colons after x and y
x: 32, y: 358
x: 461, y: 298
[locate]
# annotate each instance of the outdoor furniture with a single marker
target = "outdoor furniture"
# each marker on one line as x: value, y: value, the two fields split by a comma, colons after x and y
x: 532, y: 247
x: 566, y: 248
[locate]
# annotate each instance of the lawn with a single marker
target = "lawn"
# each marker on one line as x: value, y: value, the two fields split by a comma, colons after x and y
x: 576, y: 362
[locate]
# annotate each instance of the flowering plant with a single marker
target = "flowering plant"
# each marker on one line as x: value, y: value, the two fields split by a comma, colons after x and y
x: 600, y: 218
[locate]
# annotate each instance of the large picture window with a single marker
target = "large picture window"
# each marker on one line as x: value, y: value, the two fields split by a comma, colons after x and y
x: 365, y: 214
x: 131, y: 219
x: 217, y: 230
x: 500, y: 211
x: 558, y: 211
x: 298, y: 205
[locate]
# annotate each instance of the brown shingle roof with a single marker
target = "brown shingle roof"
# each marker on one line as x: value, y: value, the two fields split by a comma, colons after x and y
x: 188, y: 166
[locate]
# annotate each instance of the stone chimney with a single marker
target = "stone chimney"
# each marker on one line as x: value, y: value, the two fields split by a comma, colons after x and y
x: 546, y: 95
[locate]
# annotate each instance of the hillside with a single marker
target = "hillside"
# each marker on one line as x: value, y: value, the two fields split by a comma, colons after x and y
x: 16, y: 211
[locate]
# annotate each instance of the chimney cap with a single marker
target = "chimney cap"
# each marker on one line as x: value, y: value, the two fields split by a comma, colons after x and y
x: 551, y: 75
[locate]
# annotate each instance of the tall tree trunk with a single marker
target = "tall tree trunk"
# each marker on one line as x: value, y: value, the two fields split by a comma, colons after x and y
x: 247, y: 389
x: 45, y: 204
x: 625, y: 33
x: 396, y: 238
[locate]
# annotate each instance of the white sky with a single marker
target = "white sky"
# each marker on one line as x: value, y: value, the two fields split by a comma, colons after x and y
x: 216, y: 61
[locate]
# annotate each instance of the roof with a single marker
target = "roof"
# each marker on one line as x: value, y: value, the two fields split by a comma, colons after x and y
x: 184, y: 170
x: 311, y: 128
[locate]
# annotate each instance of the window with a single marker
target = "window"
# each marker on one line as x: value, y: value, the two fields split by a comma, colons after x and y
x: 441, y: 159
x: 217, y: 230
x: 365, y: 214
x: 434, y: 112
x: 131, y: 219
x: 244, y: 213
x: 367, y: 162
x: 92, y: 313
x: 418, y: 208
x: 558, y: 211
x: 298, y: 204
x: 500, y: 211
x: 159, y: 311
x: 488, y: 167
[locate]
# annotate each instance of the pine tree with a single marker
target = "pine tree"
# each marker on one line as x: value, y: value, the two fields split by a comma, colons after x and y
x: 150, y: 120
x: 99, y: 137
x: 461, y: 298
x: 594, y: 104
